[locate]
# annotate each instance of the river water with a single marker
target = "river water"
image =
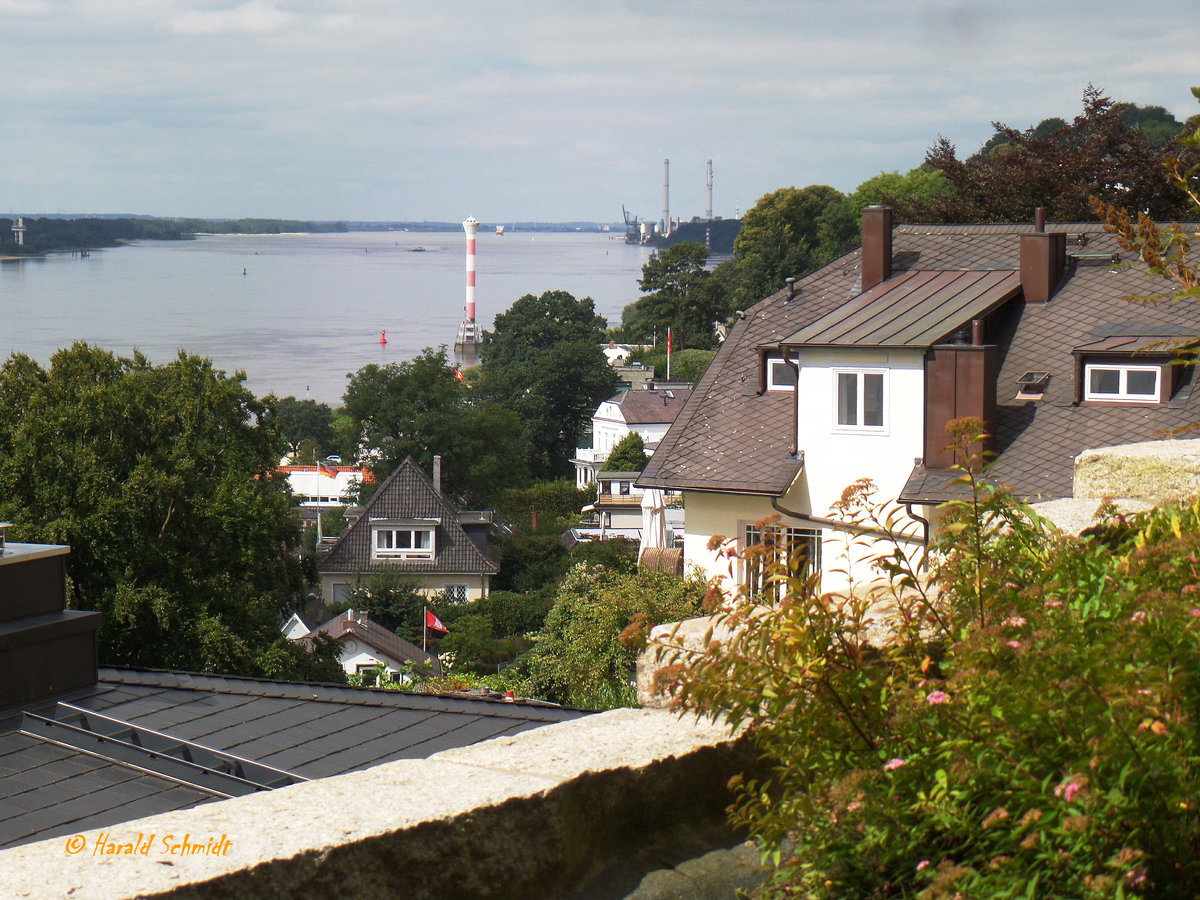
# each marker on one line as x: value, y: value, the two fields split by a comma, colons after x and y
x: 298, y: 312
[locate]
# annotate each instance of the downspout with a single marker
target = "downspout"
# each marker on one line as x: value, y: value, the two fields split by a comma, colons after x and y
x: 908, y: 508
x: 795, y: 367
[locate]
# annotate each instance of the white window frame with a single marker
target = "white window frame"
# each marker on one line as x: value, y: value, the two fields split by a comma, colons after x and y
x: 772, y: 384
x: 858, y: 372
x: 415, y: 550
x: 790, y: 536
x: 1122, y: 395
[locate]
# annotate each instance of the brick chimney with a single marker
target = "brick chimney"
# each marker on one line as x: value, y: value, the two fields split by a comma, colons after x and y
x: 876, y: 245
x: 45, y: 649
x: 1043, y: 258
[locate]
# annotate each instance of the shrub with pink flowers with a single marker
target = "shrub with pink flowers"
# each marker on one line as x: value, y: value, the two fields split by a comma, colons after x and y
x: 1026, y: 724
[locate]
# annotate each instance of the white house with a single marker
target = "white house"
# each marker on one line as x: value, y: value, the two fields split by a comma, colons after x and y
x: 855, y: 370
x: 324, y: 486
x: 365, y: 645
x: 648, y: 412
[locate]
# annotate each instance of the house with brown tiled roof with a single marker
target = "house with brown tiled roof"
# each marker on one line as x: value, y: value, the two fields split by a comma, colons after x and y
x: 648, y: 412
x: 365, y: 645
x: 410, y: 527
x: 855, y: 370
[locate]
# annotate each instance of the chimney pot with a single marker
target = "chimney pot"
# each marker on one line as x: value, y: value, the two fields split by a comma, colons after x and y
x: 1043, y: 257
x: 437, y: 472
x: 876, y: 245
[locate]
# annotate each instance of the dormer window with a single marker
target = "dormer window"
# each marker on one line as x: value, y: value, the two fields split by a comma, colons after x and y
x: 859, y: 400
x: 1122, y: 382
x: 394, y: 540
x: 780, y: 376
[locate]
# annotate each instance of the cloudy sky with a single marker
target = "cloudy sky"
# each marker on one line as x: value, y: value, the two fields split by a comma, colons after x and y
x: 547, y: 110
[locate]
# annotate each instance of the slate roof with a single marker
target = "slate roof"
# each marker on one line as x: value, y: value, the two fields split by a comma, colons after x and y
x: 312, y: 730
x: 408, y: 493
x: 358, y: 625
x: 651, y: 407
x: 730, y: 439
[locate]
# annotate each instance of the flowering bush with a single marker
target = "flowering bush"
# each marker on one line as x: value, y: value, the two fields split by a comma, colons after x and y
x: 1021, y: 723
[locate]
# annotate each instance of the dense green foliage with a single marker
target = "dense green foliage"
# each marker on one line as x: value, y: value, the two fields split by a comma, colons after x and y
x: 629, y: 455
x: 579, y: 658
x: 393, y: 600
x: 419, y: 408
x: 307, y: 422
x: 681, y: 294
x: 162, y: 481
x: 1025, y: 726
x: 686, y: 365
x: 543, y: 361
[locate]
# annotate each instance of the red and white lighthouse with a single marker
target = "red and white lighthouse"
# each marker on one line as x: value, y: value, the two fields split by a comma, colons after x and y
x: 470, y: 341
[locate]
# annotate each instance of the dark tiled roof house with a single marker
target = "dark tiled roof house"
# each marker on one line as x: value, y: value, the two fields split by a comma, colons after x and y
x: 409, y: 526
x: 856, y: 369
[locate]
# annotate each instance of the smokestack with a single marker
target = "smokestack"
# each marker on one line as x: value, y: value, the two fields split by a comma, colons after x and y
x: 437, y: 472
x: 708, y: 207
x: 876, y: 245
x: 666, y: 197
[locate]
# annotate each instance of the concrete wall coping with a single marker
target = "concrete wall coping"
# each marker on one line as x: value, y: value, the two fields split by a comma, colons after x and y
x: 499, y: 818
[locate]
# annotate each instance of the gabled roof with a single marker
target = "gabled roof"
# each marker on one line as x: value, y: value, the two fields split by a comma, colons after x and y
x: 358, y: 625
x: 729, y: 438
x: 651, y: 407
x: 408, y: 494
x: 312, y: 730
x: 914, y: 309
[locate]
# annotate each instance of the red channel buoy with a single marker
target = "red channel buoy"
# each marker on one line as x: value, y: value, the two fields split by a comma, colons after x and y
x: 383, y: 337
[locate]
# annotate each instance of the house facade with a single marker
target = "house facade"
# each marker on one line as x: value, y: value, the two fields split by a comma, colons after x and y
x: 855, y: 370
x: 409, y: 527
x: 648, y: 412
x: 364, y: 645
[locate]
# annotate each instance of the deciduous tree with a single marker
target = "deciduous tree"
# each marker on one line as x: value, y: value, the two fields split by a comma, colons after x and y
x: 162, y: 480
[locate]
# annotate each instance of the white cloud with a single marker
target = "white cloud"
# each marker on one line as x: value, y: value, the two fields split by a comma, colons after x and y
x: 253, y: 17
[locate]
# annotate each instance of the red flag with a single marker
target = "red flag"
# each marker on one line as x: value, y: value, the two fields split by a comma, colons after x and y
x: 432, y: 621
x: 325, y: 469
x: 459, y: 375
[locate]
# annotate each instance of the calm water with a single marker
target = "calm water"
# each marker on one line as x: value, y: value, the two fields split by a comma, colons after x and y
x: 309, y: 308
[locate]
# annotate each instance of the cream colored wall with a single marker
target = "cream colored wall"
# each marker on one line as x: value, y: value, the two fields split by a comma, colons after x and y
x: 477, y: 585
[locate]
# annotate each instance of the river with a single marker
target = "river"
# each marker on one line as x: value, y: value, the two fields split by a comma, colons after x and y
x: 298, y: 312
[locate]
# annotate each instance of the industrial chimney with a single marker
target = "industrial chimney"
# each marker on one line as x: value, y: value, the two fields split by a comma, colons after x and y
x: 666, y: 197
x: 708, y: 207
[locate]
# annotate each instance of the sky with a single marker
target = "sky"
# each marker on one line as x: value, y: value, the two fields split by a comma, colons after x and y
x: 534, y: 110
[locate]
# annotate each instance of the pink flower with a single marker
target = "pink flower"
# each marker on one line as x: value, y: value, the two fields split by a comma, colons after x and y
x: 1139, y: 616
x: 893, y: 764
x: 937, y: 697
x: 1052, y: 604
x: 1194, y: 612
x: 1014, y: 621
x: 922, y: 865
x: 1013, y: 644
x: 1067, y: 791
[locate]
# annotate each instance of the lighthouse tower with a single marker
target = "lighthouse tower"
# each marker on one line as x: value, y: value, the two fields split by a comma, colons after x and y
x: 18, y: 230
x: 469, y: 343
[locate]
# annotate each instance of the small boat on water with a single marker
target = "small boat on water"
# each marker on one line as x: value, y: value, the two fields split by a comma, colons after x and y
x: 499, y: 229
x: 416, y: 249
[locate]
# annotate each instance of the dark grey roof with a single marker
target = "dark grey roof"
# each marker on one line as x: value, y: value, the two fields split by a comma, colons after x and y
x: 728, y: 438
x: 409, y: 494
x: 915, y: 309
x: 359, y: 625
x: 312, y: 730
x: 649, y: 407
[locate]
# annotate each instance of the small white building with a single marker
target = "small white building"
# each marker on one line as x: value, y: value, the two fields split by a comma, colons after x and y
x: 366, y: 645
x: 324, y: 486
x: 648, y: 412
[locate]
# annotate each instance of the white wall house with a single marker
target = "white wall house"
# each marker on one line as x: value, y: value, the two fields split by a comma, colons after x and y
x: 855, y: 371
x: 647, y: 412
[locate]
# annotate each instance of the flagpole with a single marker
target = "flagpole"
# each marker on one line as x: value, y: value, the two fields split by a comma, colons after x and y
x: 425, y: 629
x: 320, y: 498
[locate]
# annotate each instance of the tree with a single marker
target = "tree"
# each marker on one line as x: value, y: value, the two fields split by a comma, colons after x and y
x: 544, y: 362
x: 307, y: 420
x: 162, y: 480
x: 419, y: 408
x: 680, y: 294
x: 686, y: 365
x: 1098, y: 155
x: 780, y: 238
x: 629, y: 455
x: 840, y: 226
x: 579, y: 658
x: 393, y: 600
